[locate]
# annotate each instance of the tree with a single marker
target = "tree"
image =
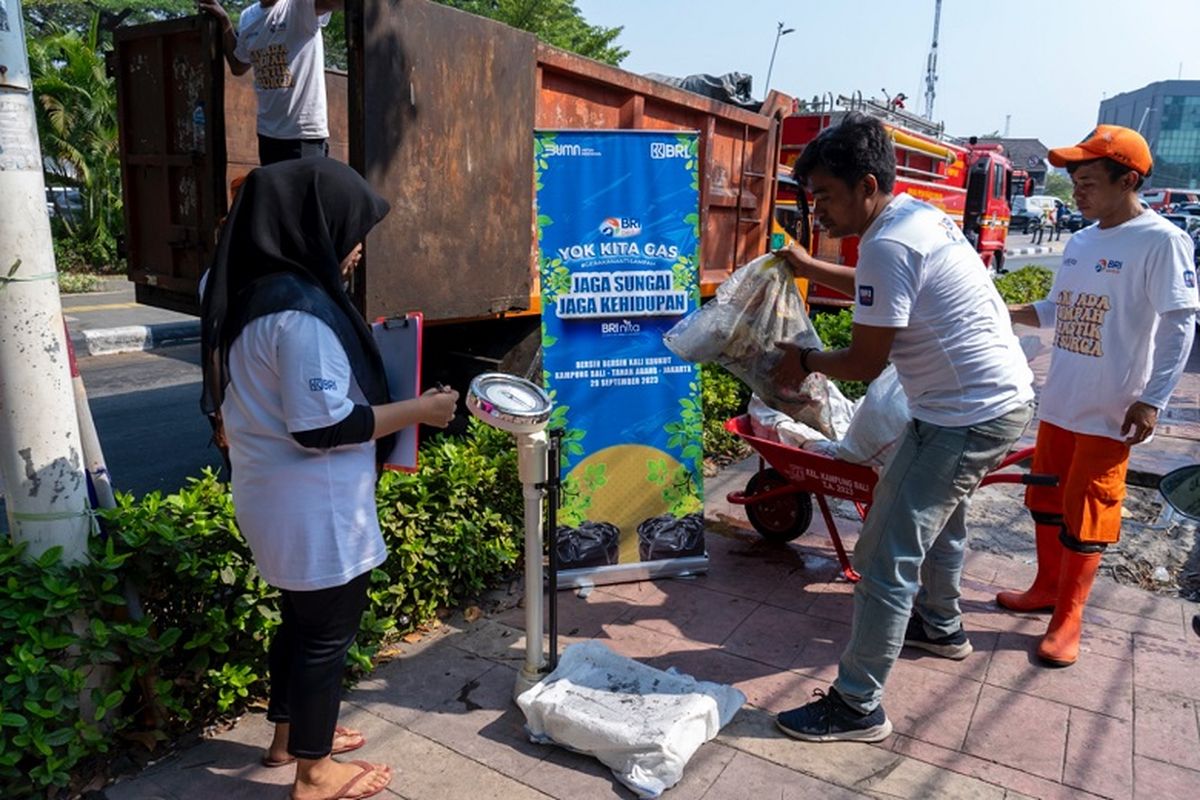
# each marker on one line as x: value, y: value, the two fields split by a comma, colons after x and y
x: 1060, y: 186
x: 46, y: 16
x: 77, y: 124
x: 556, y: 22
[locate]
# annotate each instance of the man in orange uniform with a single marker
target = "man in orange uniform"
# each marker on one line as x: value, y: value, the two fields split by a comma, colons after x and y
x: 1123, y: 306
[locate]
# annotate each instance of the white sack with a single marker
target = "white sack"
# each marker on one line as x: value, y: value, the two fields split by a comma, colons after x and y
x: 878, y: 423
x: 776, y: 426
x: 643, y: 723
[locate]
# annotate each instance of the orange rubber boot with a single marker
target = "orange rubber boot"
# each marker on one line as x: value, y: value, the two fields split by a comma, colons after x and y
x: 1060, y: 645
x: 1044, y: 591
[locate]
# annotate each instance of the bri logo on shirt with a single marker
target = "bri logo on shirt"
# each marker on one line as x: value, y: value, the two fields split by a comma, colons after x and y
x: 866, y: 295
x: 1109, y: 265
x: 321, y: 385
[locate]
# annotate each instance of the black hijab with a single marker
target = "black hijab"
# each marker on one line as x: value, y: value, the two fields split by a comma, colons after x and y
x: 281, y: 249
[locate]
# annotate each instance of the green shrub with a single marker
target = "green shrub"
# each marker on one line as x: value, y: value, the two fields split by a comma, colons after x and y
x: 62, y: 639
x: 77, y: 283
x: 723, y: 396
x: 199, y: 652
x: 1027, y: 285
x: 75, y: 255
x: 451, y: 529
x: 835, y: 330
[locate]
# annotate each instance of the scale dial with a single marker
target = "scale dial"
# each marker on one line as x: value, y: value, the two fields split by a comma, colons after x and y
x: 509, y: 403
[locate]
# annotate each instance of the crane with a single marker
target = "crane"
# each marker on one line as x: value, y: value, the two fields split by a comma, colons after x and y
x: 931, y: 63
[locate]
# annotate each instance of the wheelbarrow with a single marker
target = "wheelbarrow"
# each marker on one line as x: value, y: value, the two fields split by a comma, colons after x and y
x: 779, y: 498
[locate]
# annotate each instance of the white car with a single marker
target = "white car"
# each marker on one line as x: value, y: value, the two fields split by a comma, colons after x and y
x: 65, y: 202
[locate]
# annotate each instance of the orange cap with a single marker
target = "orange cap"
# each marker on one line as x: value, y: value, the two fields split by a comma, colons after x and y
x: 1123, y: 145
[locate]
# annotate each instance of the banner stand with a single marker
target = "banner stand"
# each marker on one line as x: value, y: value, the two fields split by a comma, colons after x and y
x: 618, y: 233
x: 631, y: 573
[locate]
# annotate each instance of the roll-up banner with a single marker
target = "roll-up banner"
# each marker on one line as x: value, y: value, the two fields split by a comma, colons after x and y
x: 618, y: 237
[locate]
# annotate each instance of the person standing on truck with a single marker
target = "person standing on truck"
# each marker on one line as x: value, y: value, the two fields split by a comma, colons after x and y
x: 295, y: 373
x: 924, y: 301
x: 1123, y: 306
x: 281, y: 41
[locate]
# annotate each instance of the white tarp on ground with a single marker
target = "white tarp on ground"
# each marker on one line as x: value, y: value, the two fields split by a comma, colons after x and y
x: 641, y: 722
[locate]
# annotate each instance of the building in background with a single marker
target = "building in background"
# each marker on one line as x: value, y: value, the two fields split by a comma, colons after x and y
x: 1167, y: 113
x: 1025, y: 154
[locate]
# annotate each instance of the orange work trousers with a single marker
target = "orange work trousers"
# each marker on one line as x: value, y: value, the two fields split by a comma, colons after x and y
x: 1091, y: 481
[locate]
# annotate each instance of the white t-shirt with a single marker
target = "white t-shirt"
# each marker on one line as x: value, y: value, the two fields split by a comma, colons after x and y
x: 284, y: 45
x: 1105, y: 304
x: 954, y: 351
x: 309, y: 515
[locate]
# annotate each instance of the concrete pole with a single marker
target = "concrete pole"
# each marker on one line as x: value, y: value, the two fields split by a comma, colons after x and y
x: 40, y: 457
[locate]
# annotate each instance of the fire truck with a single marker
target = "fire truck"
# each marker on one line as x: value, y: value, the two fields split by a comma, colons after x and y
x: 967, y: 180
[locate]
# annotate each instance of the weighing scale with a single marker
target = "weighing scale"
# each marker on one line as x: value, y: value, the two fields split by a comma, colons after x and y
x: 522, y: 408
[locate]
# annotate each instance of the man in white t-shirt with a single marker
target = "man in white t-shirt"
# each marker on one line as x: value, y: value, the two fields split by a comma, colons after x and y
x: 1123, y: 307
x: 923, y: 300
x: 281, y: 41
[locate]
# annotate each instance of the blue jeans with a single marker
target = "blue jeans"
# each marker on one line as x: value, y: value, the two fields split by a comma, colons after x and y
x: 914, y: 536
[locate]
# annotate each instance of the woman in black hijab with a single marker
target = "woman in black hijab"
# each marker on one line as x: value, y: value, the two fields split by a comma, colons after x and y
x: 293, y: 372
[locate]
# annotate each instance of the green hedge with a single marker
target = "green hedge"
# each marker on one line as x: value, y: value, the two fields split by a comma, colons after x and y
x: 1028, y: 284
x: 199, y: 652
x: 723, y: 397
x: 835, y: 330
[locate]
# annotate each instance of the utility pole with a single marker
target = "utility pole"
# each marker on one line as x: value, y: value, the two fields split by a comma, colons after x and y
x: 1007, y: 122
x: 931, y: 64
x: 40, y: 456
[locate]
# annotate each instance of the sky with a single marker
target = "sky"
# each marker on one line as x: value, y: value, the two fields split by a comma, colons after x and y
x: 1044, y: 65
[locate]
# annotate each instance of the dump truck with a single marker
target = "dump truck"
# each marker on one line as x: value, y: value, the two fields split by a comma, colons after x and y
x: 438, y: 110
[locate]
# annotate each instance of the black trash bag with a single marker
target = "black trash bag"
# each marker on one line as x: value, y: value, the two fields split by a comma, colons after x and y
x: 732, y: 87
x: 592, y: 544
x: 668, y: 536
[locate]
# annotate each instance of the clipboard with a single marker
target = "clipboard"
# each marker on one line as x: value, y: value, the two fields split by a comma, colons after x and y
x: 399, y: 341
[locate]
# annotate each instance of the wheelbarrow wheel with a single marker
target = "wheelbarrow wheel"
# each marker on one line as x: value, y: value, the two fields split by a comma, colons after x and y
x: 779, y: 519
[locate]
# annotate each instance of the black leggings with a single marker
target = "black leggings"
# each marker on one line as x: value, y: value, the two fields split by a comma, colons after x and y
x: 307, y: 660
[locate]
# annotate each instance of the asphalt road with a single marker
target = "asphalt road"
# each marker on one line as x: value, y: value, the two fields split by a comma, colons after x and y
x: 147, y: 412
x: 1050, y: 262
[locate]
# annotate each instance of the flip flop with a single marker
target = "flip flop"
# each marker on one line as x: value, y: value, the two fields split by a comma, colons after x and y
x: 365, y: 768
x: 267, y: 761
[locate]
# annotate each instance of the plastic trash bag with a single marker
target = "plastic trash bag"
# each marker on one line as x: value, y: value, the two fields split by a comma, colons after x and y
x: 668, y: 536
x: 592, y: 544
x: 755, y: 308
x: 644, y: 724
x: 878, y: 422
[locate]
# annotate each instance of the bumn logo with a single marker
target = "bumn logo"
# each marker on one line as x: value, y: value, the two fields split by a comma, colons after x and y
x: 555, y: 149
x: 620, y: 227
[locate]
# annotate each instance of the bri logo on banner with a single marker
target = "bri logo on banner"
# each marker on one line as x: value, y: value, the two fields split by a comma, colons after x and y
x: 668, y: 150
x: 623, y: 328
x: 620, y: 227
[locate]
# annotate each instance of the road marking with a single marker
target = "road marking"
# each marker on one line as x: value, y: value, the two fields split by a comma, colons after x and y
x: 101, y: 307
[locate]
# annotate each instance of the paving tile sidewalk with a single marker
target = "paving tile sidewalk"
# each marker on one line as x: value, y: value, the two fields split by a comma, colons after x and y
x: 772, y: 620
